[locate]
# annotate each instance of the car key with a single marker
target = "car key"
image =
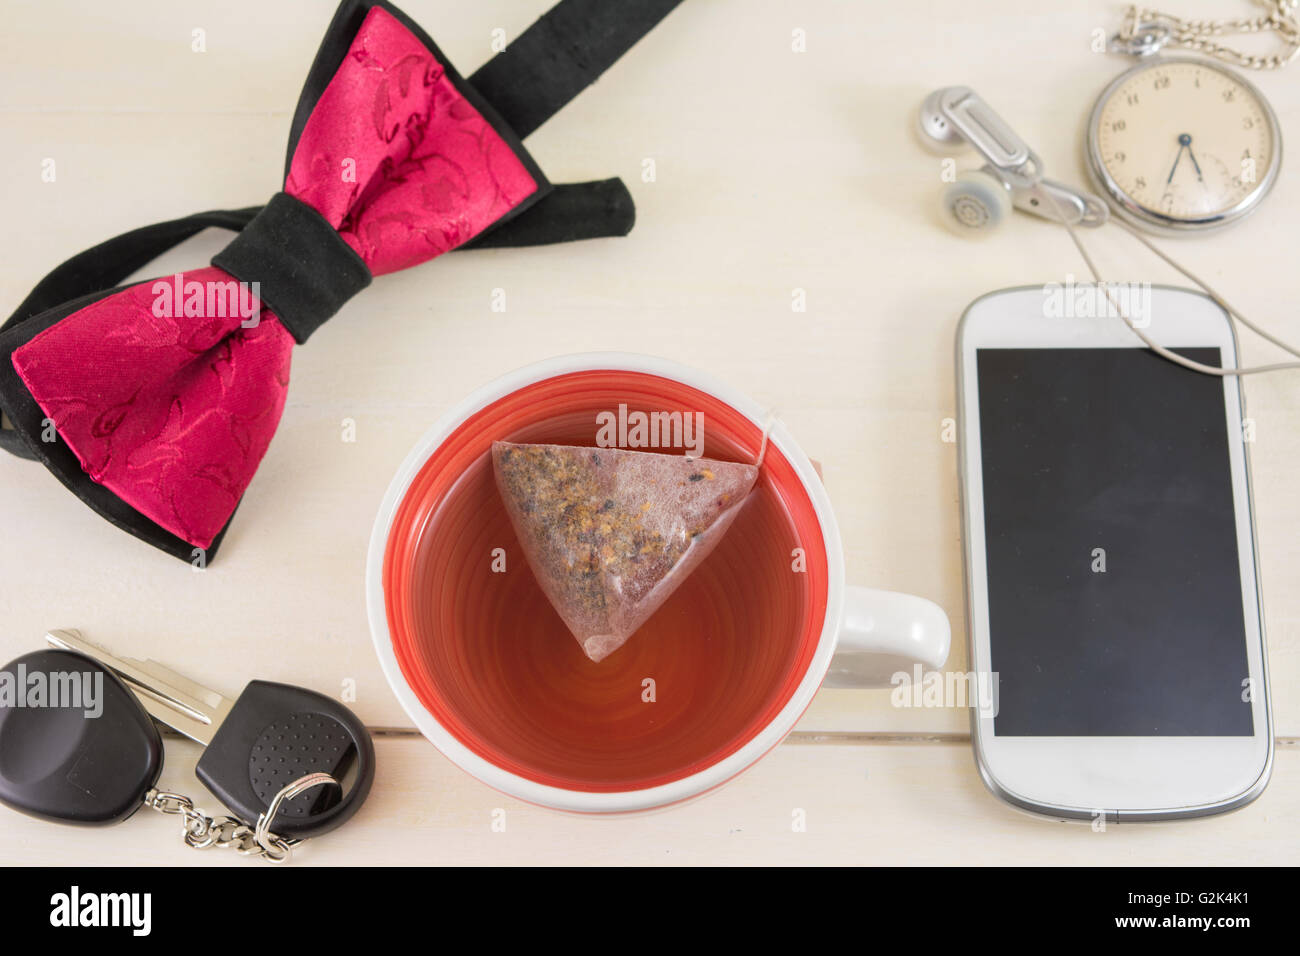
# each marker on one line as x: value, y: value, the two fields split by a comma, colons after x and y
x: 255, y: 746
x: 88, y: 761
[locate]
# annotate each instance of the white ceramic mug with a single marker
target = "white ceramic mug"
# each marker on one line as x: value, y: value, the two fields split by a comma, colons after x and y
x: 853, y: 636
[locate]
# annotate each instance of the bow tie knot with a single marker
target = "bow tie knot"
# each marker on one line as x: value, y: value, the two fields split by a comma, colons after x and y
x: 302, y: 268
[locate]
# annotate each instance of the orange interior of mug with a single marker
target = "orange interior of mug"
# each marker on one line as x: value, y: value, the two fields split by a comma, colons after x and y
x: 492, y: 661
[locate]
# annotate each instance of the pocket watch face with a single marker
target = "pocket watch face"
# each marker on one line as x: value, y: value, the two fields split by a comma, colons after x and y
x: 1183, y: 144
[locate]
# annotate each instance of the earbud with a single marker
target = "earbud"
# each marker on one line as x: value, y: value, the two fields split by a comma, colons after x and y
x: 976, y: 203
x: 936, y: 133
x: 979, y: 201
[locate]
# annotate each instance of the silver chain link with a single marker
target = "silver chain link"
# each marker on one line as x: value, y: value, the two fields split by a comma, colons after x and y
x: 1146, y: 31
x: 201, y: 831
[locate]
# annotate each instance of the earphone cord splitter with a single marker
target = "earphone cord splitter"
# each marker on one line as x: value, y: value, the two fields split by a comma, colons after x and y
x: 1218, y: 299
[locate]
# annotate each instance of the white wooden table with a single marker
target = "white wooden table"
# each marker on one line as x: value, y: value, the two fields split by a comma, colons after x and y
x: 775, y: 170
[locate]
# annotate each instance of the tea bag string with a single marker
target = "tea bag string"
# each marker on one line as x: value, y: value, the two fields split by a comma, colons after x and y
x: 1218, y: 299
x: 768, y: 422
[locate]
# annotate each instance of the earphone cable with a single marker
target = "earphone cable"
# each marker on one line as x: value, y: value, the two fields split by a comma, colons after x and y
x: 1218, y: 299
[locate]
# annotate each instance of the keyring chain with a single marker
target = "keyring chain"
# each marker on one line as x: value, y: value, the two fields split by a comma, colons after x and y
x: 201, y: 831
x: 1146, y: 31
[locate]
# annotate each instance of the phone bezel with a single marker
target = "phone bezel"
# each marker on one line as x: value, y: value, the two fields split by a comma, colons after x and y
x: 1115, y: 778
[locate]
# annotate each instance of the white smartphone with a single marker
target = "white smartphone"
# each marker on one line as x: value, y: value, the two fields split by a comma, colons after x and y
x: 1112, y: 586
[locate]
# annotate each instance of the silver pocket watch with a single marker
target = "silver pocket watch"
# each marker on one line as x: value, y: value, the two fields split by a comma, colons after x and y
x: 1182, y: 144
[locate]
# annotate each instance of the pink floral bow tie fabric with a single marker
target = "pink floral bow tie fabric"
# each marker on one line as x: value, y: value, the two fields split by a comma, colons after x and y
x: 171, y: 406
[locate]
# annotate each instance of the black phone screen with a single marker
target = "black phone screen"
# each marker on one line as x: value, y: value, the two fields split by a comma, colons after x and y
x: 1114, y: 581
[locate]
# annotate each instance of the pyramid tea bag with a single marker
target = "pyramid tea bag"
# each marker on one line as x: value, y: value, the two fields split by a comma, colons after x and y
x: 610, y: 534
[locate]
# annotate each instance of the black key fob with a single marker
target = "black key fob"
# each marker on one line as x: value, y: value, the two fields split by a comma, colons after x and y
x: 75, y: 744
x: 276, y: 734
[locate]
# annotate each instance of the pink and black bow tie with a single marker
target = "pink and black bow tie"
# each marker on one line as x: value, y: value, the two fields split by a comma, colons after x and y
x: 155, y: 402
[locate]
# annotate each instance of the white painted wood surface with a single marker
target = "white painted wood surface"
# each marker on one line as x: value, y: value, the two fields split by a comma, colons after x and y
x: 775, y: 171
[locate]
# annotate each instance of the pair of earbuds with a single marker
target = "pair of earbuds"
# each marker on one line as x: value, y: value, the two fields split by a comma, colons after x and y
x: 954, y: 119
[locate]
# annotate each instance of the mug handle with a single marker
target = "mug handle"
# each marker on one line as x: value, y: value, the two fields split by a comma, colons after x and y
x: 884, y: 632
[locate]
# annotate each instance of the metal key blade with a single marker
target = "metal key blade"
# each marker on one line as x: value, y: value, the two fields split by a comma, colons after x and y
x: 176, y: 701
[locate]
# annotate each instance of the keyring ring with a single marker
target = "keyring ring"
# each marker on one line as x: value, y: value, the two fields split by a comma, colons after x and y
x: 262, y: 835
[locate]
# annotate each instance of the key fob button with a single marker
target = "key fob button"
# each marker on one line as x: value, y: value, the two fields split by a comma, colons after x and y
x: 89, y: 761
x: 300, y: 744
x: 58, y: 728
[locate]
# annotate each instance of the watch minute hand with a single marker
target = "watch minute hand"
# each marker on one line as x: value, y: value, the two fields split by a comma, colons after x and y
x: 1174, y: 168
